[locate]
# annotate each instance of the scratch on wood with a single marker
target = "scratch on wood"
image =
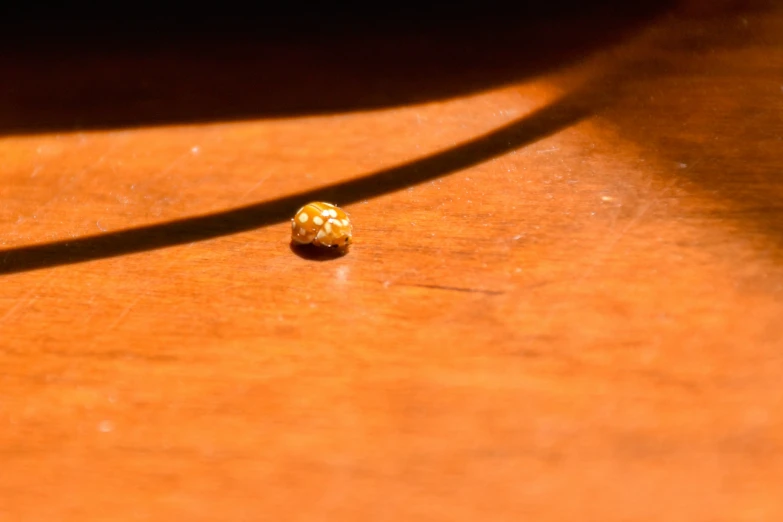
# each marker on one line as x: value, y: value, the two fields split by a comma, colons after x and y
x: 459, y: 289
x: 25, y: 300
x: 603, y: 252
x: 124, y: 313
x: 609, y: 245
x: 138, y: 298
x: 253, y: 188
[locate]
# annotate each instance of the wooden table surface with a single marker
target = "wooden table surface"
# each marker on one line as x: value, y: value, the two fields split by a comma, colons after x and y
x: 564, y: 301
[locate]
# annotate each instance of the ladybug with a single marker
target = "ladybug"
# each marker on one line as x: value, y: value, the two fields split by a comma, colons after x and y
x: 322, y: 224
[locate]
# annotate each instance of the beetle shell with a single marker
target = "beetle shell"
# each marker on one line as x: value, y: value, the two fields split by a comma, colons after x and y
x: 322, y: 224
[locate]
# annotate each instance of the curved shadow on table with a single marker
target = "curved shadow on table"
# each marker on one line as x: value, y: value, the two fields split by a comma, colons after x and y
x: 559, y: 115
x: 76, y: 74
x: 544, y: 122
x: 496, y: 57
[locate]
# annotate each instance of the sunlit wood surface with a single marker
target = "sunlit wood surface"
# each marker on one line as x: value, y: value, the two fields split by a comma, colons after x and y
x: 564, y: 301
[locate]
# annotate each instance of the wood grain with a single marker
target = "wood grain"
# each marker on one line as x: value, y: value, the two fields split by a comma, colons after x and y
x: 563, y: 302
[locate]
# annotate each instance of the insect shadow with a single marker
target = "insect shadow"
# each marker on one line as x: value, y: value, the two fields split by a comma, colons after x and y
x: 311, y: 252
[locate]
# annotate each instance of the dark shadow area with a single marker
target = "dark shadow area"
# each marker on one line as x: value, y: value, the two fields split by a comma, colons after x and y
x: 314, y: 253
x: 65, y: 70
x: 134, y: 79
x: 551, y: 119
x: 60, y: 75
x: 717, y: 120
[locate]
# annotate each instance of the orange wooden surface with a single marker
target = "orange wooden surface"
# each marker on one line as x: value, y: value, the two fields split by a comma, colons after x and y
x: 564, y: 300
